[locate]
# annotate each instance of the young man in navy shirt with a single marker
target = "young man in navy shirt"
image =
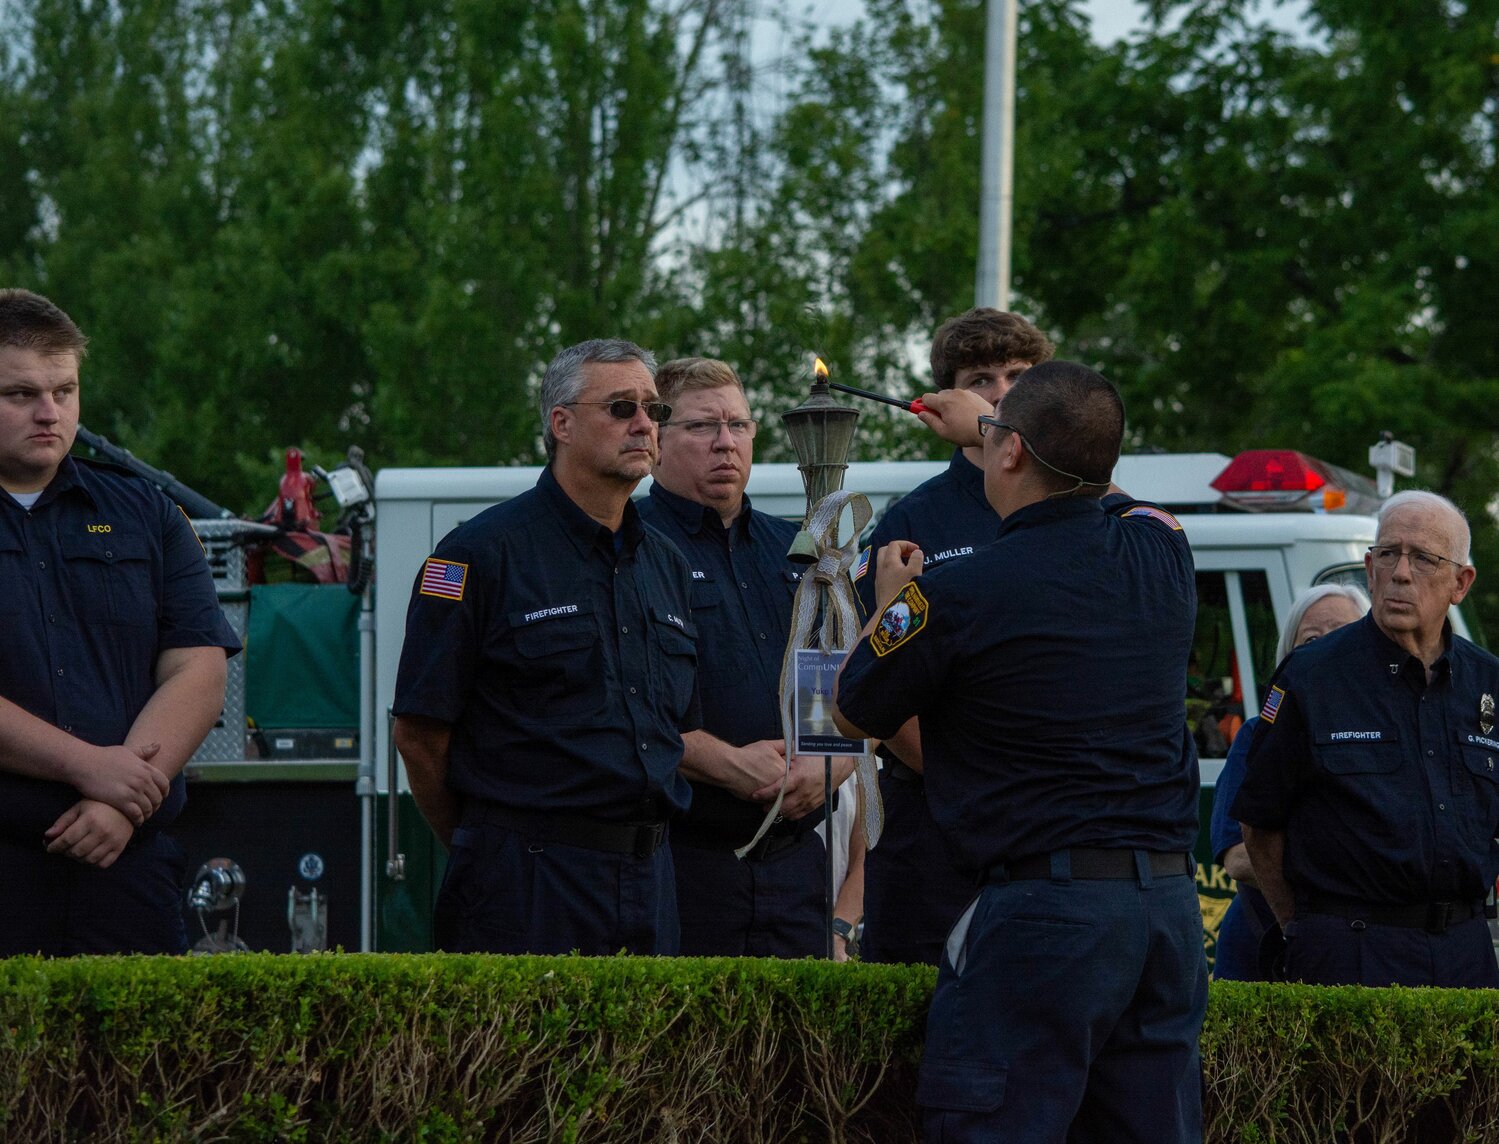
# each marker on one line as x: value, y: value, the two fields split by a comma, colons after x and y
x: 113, y: 671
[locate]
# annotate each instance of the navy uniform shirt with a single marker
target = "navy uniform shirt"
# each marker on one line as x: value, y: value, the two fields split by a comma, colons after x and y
x: 97, y: 579
x: 947, y: 517
x: 567, y: 672
x: 1386, y: 786
x: 742, y: 590
x: 1052, y: 712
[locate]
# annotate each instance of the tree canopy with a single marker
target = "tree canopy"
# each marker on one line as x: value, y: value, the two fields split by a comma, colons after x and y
x: 326, y: 223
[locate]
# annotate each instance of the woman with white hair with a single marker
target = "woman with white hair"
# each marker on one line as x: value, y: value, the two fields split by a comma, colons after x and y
x: 1315, y: 612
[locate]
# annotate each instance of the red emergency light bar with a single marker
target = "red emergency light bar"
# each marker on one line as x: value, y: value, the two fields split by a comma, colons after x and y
x: 1283, y: 480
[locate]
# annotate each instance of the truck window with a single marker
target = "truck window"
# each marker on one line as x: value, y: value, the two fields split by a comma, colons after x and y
x: 1233, y: 655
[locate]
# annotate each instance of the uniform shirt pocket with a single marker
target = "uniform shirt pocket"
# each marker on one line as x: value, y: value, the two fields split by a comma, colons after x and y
x: 1482, y: 762
x: 1358, y: 756
x: 110, y: 579
x: 675, y: 659
x: 559, y: 668
x: 12, y: 571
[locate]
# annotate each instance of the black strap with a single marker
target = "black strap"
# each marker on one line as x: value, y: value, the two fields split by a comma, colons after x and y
x: 777, y: 840
x: 1433, y: 917
x: 1094, y: 864
x: 642, y: 839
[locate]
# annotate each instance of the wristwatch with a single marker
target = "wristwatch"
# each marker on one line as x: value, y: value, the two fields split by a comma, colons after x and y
x: 845, y: 930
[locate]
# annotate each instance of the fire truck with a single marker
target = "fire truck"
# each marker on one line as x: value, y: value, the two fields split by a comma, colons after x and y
x: 317, y: 840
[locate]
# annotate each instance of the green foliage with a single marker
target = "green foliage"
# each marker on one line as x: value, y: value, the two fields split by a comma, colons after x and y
x: 453, y: 1048
x: 398, y: 1047
x: 326, y: 223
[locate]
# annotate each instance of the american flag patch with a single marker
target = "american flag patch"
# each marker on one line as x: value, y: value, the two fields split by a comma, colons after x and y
x: 861, y: 565
x: 1159, y: 514
x: 1272, y: 704
x: 443, y: 578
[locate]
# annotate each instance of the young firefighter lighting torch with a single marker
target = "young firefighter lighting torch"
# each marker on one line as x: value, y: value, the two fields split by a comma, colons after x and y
x: 821, y: 432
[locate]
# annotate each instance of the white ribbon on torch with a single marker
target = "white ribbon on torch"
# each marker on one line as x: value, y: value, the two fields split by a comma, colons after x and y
x: 827, y: 584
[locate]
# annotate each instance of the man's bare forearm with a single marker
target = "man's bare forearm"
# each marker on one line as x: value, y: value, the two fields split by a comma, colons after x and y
x: 1266, y: 851
x: 33, y: 747
x: 740, y: 770
x: 187, y: 702
x: 423, y: 744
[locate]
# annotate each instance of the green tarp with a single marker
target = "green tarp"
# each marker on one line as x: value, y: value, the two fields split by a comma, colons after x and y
x: 302, y: 656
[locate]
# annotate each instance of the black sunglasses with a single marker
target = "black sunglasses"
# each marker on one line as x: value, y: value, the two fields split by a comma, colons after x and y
x: 623, y: 409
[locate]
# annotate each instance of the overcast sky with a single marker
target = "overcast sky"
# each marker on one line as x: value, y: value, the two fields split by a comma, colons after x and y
x: 1111, y: 18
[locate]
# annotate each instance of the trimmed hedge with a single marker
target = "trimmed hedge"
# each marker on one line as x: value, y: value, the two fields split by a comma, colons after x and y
x: 441, y: 1047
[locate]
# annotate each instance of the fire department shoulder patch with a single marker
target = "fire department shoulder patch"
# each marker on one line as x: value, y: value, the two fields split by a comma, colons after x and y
x: 904, y: 616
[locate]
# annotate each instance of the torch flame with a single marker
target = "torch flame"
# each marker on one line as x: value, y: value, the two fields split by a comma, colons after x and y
x: 820, y: 369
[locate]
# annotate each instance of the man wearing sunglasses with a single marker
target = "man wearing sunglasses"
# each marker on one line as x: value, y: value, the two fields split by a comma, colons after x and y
x: 1371, y: 799
x: 770, y: 904
x: 913, y: 893
x: 1047, y: 671
x: 548, y: 673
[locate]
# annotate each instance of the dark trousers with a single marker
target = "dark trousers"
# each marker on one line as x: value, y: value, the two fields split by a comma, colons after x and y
x: 753, y: 907
x: 503, y: 893
x: 912, y: 893
x: 1323, y: 950
x: 1069, y: 1012
x: 1237, y: 957
x: 58, y: 907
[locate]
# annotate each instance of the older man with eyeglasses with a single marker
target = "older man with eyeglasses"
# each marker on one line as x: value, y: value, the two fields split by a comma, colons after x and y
x: 770, y: 903
x: 1371, y: 800
x: 548, y: 675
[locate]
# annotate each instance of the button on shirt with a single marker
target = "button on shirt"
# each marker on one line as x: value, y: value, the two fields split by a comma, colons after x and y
x: 99, y: 577
x: 567, y: 672
x: 1386, y: 786
x: 1052, y: 712
x: 742, y: 590
x: 947, y: 517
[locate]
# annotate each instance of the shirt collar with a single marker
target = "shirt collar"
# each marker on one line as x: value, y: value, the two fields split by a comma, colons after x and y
x: 585, y: 532
x: 968, y: 477
x: 70, y: 475
x: 695, y: 516
x: 1400, y: 660
x: 1046, y: 511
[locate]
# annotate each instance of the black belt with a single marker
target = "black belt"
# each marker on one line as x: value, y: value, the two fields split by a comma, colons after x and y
x: 901, y: 773
x: 642, y: 839
x: 1433, y: 917
x: 774, y: 843
x: 1091, y: 864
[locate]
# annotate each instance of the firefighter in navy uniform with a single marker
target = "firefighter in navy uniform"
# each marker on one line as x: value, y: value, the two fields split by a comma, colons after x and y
x: 1371, y: 796
x: 548, y: 672
x: 912, y: 892
x: 770, y: 904
x: 1047, y: 671
x: 113, y: 671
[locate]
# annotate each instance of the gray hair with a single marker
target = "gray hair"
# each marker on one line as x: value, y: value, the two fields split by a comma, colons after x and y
x: 1458, y: 531
x: 563, y: 380
x: 1303, y: 604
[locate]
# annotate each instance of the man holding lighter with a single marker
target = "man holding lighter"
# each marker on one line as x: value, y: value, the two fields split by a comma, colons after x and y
x: 912, y: 892
x: 1047, y: 671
